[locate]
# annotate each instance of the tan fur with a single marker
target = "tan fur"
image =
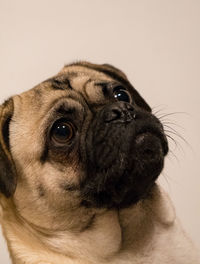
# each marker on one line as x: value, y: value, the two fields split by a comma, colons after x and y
x: 57, y: 230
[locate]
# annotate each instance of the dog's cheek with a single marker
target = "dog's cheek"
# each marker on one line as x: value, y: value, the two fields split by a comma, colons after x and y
x: 42, y: 193
x: 58, y: 184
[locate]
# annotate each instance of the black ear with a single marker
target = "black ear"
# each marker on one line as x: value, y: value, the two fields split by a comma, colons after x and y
x: 7, y: 167
x: 113, y: 69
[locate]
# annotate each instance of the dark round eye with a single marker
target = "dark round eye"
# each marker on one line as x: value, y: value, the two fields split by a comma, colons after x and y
x: 62, y: 131
x: 122, y: 95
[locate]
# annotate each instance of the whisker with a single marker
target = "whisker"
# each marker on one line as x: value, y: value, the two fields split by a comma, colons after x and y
x: 165, y: 177
x: 171, y: 123
x: 180, y: 137
x: 167, y: 124
x: 174, y: 113
x: 158, y: 111
x: 174, y: 130
x: 157, y: 106
x: 172, y: 154
x: 176, y: 133
x: 174, y: 141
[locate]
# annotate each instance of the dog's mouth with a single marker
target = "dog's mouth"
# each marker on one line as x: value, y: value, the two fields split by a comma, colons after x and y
x: 123, y: 162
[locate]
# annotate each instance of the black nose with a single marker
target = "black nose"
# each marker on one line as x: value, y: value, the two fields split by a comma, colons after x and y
x: 121, y: 112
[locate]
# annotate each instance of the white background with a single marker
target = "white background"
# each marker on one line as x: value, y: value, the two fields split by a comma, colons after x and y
x: 155, y: 42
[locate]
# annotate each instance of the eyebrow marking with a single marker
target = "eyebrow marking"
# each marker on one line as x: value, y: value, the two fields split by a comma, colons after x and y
x: 60, y: 83
x: 104, y: 87
x: 85, y: 87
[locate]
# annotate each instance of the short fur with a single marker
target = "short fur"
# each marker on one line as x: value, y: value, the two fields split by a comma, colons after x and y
x: 96, y: 200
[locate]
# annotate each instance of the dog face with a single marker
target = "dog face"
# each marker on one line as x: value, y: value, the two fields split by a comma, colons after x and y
x: 84, y: 139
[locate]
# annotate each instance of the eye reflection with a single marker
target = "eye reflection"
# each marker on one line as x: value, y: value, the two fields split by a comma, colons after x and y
x: 62, y: 131
x: 122, y: 95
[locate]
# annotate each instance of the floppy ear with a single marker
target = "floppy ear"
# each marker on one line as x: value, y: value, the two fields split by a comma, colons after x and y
x: 7, y: 167
x: 111, y: 68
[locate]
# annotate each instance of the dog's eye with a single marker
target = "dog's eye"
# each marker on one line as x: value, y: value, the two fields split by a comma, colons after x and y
x: 122, y: 95
x: 62, y: 132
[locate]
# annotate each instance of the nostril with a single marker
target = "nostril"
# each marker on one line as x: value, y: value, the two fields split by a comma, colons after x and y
x: 112, y: 115
x: 120, y: 113
x: 116, y: 113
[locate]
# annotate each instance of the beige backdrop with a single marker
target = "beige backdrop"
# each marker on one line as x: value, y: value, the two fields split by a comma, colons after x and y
x: 156, y: 42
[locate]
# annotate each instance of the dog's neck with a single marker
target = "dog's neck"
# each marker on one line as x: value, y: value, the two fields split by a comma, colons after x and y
x: 106, y: 234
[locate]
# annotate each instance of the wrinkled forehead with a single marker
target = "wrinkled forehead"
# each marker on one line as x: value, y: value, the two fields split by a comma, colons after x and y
x: 77, y: 83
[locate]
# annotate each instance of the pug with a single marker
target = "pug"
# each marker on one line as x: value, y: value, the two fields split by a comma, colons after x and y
x: 80, y: 154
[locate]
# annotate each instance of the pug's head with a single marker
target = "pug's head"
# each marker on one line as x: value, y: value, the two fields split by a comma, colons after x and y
x: 82, y: 139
